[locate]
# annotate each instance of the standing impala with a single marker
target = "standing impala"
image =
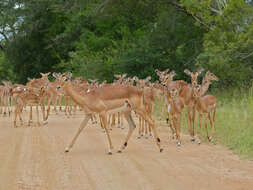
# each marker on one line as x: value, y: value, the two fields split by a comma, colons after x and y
x: 105, y: 100
x: 205, y: 105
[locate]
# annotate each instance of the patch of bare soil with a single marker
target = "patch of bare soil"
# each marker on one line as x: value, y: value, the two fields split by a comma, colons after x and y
x: 33, y: 158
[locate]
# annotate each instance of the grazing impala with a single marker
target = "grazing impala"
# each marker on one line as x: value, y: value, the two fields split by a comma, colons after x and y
x: 105, y: 100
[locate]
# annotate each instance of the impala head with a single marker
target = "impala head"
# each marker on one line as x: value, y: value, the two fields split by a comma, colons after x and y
x: 141, y: 83
x: 29, y: 79
x: 62, y: 78
x: 209, y: 77
x: 194, y: 76
x: 197, y: 91
x: 174, y: 91
x: 7, y: 83
x: 103, y: 83
x: 168, y: 78
x: 45, y: 76
x: 120, y: 77
x: 79, y: 80
x: 162, y: 74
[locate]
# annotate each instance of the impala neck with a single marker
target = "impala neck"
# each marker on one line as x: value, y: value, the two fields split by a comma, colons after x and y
x: 77, y: 98
x: 205, y: 87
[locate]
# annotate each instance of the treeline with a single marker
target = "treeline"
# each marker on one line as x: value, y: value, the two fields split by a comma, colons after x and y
x: 99, y: 38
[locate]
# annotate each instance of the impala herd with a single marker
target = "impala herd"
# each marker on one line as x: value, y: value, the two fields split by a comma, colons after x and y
x: 108, y: 102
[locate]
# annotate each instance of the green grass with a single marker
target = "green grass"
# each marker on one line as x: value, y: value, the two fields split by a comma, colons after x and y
x: 234, y: 120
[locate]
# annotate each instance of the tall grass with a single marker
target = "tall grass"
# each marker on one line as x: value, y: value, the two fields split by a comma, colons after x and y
x: 234, y: 120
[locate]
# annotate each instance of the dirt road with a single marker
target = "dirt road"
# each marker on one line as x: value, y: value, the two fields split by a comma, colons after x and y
x: 34, y: 159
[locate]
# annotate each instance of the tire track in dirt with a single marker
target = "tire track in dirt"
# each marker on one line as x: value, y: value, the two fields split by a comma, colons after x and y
x: 34, y: 159
x: 34, y: 171
x: 10, y: 150
x: 67, y: 176
x: 108, y: 172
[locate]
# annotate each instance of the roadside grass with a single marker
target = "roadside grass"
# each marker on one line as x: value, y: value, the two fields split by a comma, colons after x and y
x: 234, y: 120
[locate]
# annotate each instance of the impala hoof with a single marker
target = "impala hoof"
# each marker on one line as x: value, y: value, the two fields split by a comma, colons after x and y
x: 178, y: 143
x: 210, y: 139
x: 161, y: 150
x: 119, y: 151
x: 45, y: 122
x: 199, y: 142
x: 66, y: 150
x: 109, y: 153
x: 192, y: 140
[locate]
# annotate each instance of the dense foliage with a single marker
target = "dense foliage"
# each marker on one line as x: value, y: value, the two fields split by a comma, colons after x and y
x: 98, y: 38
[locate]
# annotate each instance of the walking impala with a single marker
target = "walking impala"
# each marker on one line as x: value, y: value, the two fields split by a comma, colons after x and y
x: 105, y: 100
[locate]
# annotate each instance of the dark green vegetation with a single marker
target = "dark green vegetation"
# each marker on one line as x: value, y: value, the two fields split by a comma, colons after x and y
x: 97, y: 38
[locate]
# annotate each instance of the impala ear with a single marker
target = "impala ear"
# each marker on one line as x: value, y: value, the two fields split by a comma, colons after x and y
x: 157, y: 71
x: 200, y: 71
x: 187, y: 72
x: 135, y: 78
x: 117, y: 76
x: 124, y: 75
x: 55, y: 75
x: 69, y: 75
x: 166, y: 70
x: 148, y: 78
x: 29, y: 79
x: 173, y: 73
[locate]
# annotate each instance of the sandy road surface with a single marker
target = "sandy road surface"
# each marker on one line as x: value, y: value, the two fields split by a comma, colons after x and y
x: 34, y: 159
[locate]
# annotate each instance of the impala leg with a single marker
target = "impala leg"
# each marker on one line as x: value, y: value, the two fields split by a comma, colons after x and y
x: 118, y: 119
x: 146, y: 129
x: 190, y: 123
x: 60, y: 102
x: 207, y: 117
x: 54, y: 102
x: 19, y: 114
x: 66, y: 105
x: 149, y: 129
x: 175, y: 124
x: 82, y: 126
x: 211, y: 124
x: 15, y: 117
x: 37, y: 111
x: 193, y: 120
x: 172, y: 128
x: 70, y: 107
x: 101, y: 123
x: 142, y: 126
x: 113, y: 120
x: 48, y: 107
x: 31, y: 117
x: 212, y: 121
x: 200, y: 128
x: 104, y: 120
x: 140, y: 121
x: 132, y: 126
x: 42, y: 105
x: 144, y: 115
